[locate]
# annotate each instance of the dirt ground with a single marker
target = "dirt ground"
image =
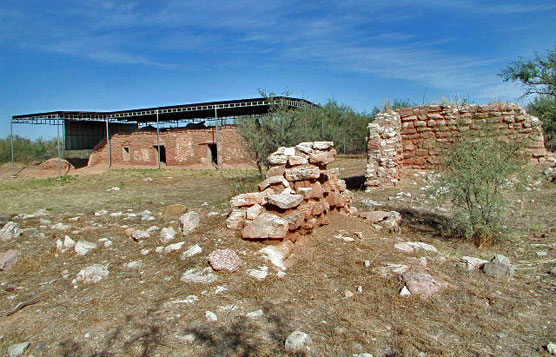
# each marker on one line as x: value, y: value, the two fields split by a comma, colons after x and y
x: 148, y: 311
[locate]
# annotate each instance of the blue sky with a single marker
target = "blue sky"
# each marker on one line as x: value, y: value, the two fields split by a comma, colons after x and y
x: 108, y: 55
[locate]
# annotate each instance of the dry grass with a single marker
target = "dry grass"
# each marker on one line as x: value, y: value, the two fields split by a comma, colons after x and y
x: 130, y: 312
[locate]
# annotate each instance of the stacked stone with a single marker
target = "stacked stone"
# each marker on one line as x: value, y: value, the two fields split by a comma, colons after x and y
x: 296, y: 196
x: 384, y: 150
x: 425, y: 126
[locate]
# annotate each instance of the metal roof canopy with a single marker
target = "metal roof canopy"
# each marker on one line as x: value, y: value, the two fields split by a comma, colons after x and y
x: 253, y: 106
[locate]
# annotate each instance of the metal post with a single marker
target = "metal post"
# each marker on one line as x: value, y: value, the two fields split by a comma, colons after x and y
x: 157, y: 140
x: 216, y: 137
x: 12, y: 146
x: 108, y: 143
x: 58, y: 147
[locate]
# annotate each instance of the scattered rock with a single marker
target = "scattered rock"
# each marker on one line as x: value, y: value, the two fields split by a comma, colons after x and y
x: 260, y: 273
x: 255, y: 314
x: 254, y: 211
x: 423, y: 284
x: 298, y: 342
x: 404, y: 292
x: 9, y: 231
x: 211, y: 316
x: 102, y: 212
x: 277, y: 254
x: 191, y: 251
x: 197, y: 275
x: 189, y: 222
x: 18, y: 349
x: 410, y: 247
x: 551, y: 348
x: 60, y: 226
x: 152, y: 229
x: 83, y: 247
x: 8, y: 259
x: 267, y: 225
x: 136, y: 264
x: 391, y: 269
x: 220, y: 289
x: 471, y: 263
x: 140, y: 234
x: 68, y: 242
x: 173, y: 247
x: 348, y: 294
x: 225, y: 260
x: 106, y: 242
x: 92, y: 274
x: 499, y: 267
x: 375, y: 216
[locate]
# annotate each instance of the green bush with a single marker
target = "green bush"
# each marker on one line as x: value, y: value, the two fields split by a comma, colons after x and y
x: 544, y: 107
x: 475, y: 172
x: 26, y: 150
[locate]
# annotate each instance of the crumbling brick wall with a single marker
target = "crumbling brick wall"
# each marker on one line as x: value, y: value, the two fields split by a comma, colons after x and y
x: 422, y: 130
x: 296, y: 196
x: 183, y: 146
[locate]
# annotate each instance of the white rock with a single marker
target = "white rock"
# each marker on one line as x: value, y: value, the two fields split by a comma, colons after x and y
x: 471, y: 263
x: 140, y: 234
x: 289, y: 151
x: 298, y: 341
x: 83, y: 247
x: 134, y: 264
x: 18, y: 349
x: 60, y: 226
x: 60, y: 246
x: 68, y: 242
x: 173, y: 247
x: 167, y: 234
x: 260, y: 273
x: 191, y: 251
x: 152, y: 229
x: 211, y: 316
x: 189, y: 299
x: 116, y: 214
x: 159, y: 250
x: 106, y: 242
x: 411, y: 247
x: 197, y: 275
x: 220, y: 289
x: 145, y: 251
x: 276, y: 254
x: 404, y: 292
x: 255, y: 314
x: 92, y: 274
x: 102, y: 212
x: 189, y: 222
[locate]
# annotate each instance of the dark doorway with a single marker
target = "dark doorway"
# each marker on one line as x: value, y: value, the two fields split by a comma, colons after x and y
x: 162, y: 151
x: 213, y: 153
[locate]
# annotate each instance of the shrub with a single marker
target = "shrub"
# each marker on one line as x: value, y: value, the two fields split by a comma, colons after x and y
x: 27, y: 151
x: 475, y: 171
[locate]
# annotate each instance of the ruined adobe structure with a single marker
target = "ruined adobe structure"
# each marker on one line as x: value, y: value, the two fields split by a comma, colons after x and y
x: 410, y: 137
x: 298, y: 193
x: 188, y: 147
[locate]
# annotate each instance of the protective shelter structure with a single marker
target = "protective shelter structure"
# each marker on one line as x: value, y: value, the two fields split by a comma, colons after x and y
x: 196, y: 135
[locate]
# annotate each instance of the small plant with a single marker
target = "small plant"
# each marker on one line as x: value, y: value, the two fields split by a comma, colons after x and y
x: 475, y: 172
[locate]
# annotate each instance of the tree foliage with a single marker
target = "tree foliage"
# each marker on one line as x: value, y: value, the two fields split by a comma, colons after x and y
x: 474, y: 173
x: 537, y: 75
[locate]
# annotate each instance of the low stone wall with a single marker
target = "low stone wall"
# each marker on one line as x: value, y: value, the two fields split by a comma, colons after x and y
x: 296, y: 196
x: 412, y: 137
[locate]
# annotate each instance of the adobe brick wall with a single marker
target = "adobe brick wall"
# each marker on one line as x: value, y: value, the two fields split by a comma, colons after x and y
x: 184, y: 147
x: 411, y: 137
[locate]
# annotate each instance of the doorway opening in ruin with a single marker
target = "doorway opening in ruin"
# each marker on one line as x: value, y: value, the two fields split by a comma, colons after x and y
x: 162, y: 150
x: 125, y: 152
x: 213, y: 153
